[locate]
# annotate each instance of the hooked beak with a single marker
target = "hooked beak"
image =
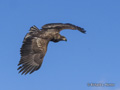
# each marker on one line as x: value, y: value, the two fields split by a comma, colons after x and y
x: 64, y: 39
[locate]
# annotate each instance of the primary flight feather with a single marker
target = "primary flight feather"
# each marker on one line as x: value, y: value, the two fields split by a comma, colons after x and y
x: 35, y: 44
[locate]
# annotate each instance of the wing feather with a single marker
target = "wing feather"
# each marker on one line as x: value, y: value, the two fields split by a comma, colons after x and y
x: 31, y: 54
x: 61, y: 26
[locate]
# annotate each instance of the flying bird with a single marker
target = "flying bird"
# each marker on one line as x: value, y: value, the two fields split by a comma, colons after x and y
x: 35, y: 44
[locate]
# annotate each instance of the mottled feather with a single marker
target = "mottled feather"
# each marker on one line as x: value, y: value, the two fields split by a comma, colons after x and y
x: 32, y: 52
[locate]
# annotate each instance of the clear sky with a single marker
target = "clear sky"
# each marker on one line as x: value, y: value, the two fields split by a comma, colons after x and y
x: 93, y: 57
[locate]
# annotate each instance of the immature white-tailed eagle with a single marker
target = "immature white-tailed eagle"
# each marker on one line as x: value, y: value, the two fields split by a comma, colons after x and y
x: 35, y: 44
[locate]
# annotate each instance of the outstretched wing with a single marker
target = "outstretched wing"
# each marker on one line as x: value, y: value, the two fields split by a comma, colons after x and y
x: 61, y: 26
x: 32, y: 52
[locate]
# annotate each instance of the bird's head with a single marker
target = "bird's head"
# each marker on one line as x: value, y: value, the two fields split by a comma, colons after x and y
x: 58, y: 38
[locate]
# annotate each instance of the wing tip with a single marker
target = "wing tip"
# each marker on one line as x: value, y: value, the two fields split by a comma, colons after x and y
x: 81, y: 30
x: 27, y: 70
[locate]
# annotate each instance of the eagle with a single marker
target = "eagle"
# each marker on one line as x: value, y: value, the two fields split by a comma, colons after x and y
x: 35, y: 44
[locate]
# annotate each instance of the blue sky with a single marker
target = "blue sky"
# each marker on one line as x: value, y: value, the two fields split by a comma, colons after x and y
x: 85, y: 58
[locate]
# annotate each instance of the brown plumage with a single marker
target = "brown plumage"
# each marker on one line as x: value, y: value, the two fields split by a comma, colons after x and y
x: 35, y: 44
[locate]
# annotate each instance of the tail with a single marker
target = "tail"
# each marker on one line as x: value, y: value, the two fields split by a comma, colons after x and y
x: 33, y: 29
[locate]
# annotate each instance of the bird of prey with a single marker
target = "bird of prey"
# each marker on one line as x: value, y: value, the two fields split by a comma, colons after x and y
x: 35, y: 44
